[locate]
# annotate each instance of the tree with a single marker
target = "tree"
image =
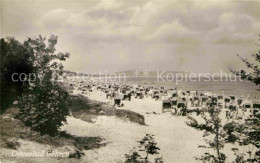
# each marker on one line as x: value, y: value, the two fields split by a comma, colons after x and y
x: 245, y: 133
x: 14, y: 60
x: 44, y: 104
x: 252, y: 135
x: 254, y: 75
x: 235, y: 135
x: 251, y: 130
x: 211, y: 126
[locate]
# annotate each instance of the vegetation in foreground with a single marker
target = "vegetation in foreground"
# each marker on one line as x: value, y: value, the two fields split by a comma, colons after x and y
x: 42, y: 104
x: 14, y: 59
x: 13, y: 129
x: 147, y: 147
x: 253, y: 73
x: 212, y: 126
x: 238, y: 132
x: 29, y: 72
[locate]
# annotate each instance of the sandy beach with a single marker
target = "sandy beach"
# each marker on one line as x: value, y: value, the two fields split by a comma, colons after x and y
x: 178, y: 142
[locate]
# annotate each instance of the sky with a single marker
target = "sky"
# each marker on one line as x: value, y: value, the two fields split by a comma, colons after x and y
x: 118, y: 35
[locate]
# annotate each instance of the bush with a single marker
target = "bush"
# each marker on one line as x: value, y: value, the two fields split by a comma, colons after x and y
x: 44, y: 104
x: 148, y: 147
x: 14, y: 59
x: 211, y: 126
x: 44, y: 109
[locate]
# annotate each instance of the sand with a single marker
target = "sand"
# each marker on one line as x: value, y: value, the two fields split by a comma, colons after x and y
x: 178, y: 142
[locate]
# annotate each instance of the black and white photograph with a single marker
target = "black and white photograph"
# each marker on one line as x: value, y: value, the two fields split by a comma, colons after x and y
x: 130, y: 81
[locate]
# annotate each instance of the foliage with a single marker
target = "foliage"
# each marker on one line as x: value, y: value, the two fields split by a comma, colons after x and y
x: 212, y: 126
x: 134, y: 157
x: 240, y: 158
x: 43, y: 106
x: 242, y: 132
x: 13, y: 129
x: 148, y: 146
x: 254, y: 75
x: 251, y: 130
x: 252, y: 135
x: 233, y: 130
x: 158, y: 160
x: 245, y: 133
x: 14, y: 59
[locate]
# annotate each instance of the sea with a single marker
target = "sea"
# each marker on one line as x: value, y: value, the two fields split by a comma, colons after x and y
x: 228, y: 87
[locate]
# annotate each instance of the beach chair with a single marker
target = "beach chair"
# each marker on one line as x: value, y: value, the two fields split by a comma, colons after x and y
x: 195, y: 101
x: 232, y: 97
x: 166, y: 106
x: 214, y: 99
x: 123, y: 91
x: 181, y: 108
x: 110, y: 95
x: 204, y: 100
x: 240, y: 102
x: 247, y: 106
x: 156, y: 95
x: 192, y: 93
x: 139, y: 95
x: 220, y: 100
x: 227, y: 102
x: 127, y: 96
x: 174, y: 95
x: 213, y: 104
x: 256, y: 104
x: 174, y: 102
x: 117, y: 102
x: 232, y: 107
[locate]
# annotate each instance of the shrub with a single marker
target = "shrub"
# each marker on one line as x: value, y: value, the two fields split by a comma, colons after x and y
x: 212, y: 126
x: 44, y: 104
x: 14, y: 59
x: 148, y: 147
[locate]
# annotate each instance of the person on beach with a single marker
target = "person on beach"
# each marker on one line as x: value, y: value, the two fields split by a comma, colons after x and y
x: 118, y: 98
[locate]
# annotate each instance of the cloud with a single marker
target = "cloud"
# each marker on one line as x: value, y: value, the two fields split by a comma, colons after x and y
x: 118, y: 34
x: 179, y: 22
x: 235, y: 29
x: 174, y: 32
x: 110, y: 10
